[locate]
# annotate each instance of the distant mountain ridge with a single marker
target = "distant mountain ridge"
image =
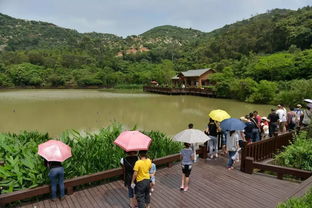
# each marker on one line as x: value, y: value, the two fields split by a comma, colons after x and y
x: 270, y: 32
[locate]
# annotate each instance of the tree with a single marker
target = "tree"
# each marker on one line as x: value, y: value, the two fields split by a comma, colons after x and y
x: 264, y: 92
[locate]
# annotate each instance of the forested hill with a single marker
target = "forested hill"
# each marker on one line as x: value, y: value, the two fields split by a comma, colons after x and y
x: 18, y: 34
x: 273, y: 31
x: 266, y: 52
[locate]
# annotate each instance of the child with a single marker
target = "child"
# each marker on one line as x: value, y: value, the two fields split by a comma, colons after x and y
x: 152, y: 173
x: 187, y: 158
x: 265, y: 128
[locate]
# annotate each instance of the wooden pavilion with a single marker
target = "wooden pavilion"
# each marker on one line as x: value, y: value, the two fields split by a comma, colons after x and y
x: 193, y: 78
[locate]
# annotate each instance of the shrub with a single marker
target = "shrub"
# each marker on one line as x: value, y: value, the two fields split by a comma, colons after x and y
x: 299, y: 154
x: 303, y: 202
x: 92, y: 153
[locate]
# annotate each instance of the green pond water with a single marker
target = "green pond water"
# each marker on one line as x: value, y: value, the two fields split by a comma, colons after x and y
x: 54, y: 111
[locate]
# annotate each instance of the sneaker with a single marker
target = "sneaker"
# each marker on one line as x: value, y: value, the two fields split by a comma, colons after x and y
x: 152, y: 190
x: 216, y: 155
x: 182, y: 188
x: 211, y: 156
x: 186, y: 188
x: 150, y: 194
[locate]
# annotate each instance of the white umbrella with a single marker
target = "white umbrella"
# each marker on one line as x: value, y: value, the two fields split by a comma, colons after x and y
x: 308, y: 100
x: 191, y: 136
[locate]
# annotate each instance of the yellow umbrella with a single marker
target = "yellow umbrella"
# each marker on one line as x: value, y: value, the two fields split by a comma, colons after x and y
x: 219, y: 115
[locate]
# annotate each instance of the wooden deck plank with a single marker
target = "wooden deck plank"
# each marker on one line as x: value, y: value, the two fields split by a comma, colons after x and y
x: 211, y: 185
x: 99, y: 197
x: 74, y: 200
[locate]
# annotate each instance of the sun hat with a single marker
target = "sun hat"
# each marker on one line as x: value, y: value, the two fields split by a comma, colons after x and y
x: 264, y: 118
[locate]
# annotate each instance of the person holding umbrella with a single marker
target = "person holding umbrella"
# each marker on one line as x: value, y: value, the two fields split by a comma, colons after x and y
x: 232, y: 126
x: 132, y: 141
x: 212, y: 131
x: 187, y: 157
x: 128, y: 163
x: 54, y: 152
x: 188, y: 137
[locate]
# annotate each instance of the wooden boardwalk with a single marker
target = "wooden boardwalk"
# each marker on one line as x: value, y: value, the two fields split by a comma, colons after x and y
x: 211, y: 185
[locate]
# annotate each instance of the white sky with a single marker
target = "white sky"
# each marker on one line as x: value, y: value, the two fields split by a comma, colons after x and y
x: 133, y: 17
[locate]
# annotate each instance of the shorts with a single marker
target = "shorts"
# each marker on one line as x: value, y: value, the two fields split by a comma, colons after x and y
x: 186, y: 170
x: 131, y: 192
x: 152, y: 180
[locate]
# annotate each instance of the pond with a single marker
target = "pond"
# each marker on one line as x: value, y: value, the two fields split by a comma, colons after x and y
x: 54, y: 111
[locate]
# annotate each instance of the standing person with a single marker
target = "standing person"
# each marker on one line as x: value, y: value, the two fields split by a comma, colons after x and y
x: 282, y: 118
x: 211, y: 131
x: 248, y: 128
x: 257, y: 117
x: 142, y: 177
x: 273, y: 122
x: 56, y: 175
x: 221, y: 137
x: 152, y: 173
x: 298, y: 112
x: 265, y: 128
x: 291, y: 119
x: 307, y: 116
x: 128, y: 165
x: 255, y: 137
x: 193, y: 146
x: 232, y: 146
x: 187, y: 157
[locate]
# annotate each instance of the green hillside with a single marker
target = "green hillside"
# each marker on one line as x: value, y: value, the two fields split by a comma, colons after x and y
x: 271, y: 49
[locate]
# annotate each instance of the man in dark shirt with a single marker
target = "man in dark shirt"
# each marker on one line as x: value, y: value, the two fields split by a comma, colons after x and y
x: 273, y: 117
x: 128, y: 165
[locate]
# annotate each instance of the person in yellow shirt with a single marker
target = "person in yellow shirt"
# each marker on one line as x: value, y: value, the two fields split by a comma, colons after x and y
x: 142, y: 177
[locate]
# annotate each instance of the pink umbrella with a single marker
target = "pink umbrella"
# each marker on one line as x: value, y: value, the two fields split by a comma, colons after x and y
x: 54, y: 150
x: 133, y: 141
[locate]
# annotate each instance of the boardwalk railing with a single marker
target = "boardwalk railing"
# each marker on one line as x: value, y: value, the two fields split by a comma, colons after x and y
x: 279, y: 170
x: 253, y: 154
x: 265, y: 149
x: 179, y: 91
x: 86, y: 179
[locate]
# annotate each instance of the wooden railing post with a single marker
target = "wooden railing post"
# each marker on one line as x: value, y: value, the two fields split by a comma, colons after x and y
x: 204, y: 150
x: 243, y: 156
x: 280, y: 176
x: 249, y: 165
x: 70, y: 190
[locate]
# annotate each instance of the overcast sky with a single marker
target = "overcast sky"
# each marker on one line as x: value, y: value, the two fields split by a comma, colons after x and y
x: 133, y: 17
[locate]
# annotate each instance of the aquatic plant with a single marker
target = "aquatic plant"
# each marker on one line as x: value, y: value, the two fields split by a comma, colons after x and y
x: 92, y: 152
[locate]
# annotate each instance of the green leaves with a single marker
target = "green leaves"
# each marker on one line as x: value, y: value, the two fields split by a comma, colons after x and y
x: 303, y: 202
x: 92, y: 152
x: 298, y: 155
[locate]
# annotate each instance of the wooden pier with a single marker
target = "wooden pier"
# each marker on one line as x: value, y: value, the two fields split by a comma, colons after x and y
x: 180, y: 91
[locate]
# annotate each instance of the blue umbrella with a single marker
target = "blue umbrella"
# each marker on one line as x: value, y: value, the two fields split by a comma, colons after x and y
x: 232, y: 124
